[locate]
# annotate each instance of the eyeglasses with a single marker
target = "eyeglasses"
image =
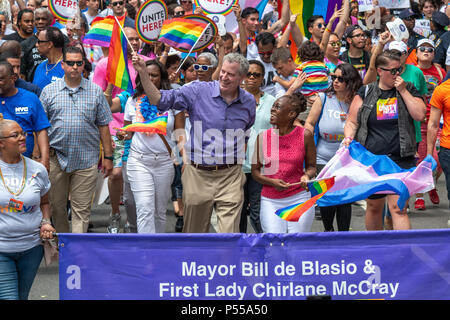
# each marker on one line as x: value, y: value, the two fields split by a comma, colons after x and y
x: 393, y: 71
x: 72, y: 63
x: 336, y: 44
x: 359, y: 35
x: 42, y: 41
x: 203, y: 67
x: 265, y: 53
x: 118, y: 3
x: 427, y: 49
x: 338, y: 78
x: 16, y: 135
x: 254, y: 74
x: 179, y: 13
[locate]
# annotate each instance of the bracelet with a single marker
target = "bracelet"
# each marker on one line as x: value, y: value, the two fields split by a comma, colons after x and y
x: 327, y: 29
x: 106, y: 95
x: 349, y: 138
x: 45, y: 221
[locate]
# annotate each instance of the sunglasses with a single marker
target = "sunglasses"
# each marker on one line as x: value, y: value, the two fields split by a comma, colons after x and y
x: 265, y: 53
x: 118, y: 3
x: 336, y: 44
x: 320, y: 25
x: 393, y: 71
x: 72, y: 63
x: 340, y: 79
x: 254, y: 74
x: 42, y: 41
x: 427, y: 49
x: 16, y: 135
x: 179, y: 13
x: 203, y: 67
x: 359, y: 35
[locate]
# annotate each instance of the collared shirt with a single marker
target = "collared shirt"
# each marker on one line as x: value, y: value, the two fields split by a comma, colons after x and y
x: 75, y: 115
x: 219, y: 130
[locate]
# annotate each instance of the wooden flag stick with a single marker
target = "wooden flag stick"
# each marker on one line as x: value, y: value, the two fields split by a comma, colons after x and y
x: 124, y: 35
x: 190, y: 51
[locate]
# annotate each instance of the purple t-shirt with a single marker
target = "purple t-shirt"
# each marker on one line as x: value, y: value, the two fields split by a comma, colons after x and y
x: 219, y: 131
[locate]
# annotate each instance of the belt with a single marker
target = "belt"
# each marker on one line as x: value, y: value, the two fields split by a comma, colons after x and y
x: 212, y: 167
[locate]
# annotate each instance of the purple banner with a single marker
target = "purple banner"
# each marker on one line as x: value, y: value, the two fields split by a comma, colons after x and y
x: 343, y: 265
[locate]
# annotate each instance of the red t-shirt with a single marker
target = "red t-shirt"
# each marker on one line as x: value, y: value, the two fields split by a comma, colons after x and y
x: 433, y: 79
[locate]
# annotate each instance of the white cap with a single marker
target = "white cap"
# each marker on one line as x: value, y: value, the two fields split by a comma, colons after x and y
x: 422, y: 41
x: 398, y: 45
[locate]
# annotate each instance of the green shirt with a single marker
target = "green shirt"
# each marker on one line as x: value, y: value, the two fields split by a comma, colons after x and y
x: 414, y: 75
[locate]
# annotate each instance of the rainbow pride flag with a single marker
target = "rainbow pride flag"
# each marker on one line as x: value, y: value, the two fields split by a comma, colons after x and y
x: 156, y: 125
x: 117, y: 71
x: 100, y: 32
x: 181, y: 33
x: 317, y: 189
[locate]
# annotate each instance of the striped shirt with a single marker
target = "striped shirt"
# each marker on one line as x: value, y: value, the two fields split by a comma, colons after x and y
x: 317, y: 77
x: 75, y: 115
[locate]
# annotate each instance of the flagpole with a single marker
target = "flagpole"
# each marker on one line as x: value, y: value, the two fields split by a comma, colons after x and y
x: 124, y: 34
x: 190, y: 51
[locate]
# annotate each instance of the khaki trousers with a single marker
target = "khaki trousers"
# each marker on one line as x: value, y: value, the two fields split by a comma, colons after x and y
x: 203, y: 191
x: 81, y: 185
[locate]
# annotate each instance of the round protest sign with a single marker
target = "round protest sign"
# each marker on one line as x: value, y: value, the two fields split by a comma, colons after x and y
x: 63, y: 9
x: 207, y: 37
x: 216, y: 6
x: 149, y: 20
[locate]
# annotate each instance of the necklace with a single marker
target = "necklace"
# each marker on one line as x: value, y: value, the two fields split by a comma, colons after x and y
x: 48, y: 70
x: 24, y: 179
x: 343, y: 113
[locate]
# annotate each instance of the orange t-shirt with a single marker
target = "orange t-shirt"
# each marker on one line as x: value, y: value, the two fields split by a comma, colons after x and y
x: 441, y: 100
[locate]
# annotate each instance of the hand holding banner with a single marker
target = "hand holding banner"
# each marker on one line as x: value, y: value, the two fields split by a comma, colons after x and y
x: 63, y: 9
x: 216, y: 6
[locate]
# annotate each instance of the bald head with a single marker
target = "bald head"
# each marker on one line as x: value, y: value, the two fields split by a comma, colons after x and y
x: 133, y: 37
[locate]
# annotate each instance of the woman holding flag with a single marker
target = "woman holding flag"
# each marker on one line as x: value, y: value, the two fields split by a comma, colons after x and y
x: 278, y: 166
x: 150, y: 167
x: 381, y: 119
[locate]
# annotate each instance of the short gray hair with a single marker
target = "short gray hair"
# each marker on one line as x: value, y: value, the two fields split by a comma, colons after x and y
x: 46, y: 12
x: 210, y: 57
x: 238, y: 58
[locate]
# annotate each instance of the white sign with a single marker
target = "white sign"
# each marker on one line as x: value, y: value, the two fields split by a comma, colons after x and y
x: 365, y: 5
x: 398, y: 29
x: 422, y: 27
x: 220, y: 22
x: 149, y: 20
x: 394, y: 4
x: 216, y: 6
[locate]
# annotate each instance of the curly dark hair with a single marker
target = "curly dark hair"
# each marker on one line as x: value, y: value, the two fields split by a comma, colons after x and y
x: 310, y: 50
x: 352, y: 79
x: 297, y: 101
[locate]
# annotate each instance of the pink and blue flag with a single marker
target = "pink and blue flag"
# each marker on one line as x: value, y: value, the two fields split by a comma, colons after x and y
x: 359, y: 173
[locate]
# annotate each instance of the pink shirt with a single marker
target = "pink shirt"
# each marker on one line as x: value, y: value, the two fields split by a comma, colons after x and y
x: 100, y: 79
x: 290, y: 158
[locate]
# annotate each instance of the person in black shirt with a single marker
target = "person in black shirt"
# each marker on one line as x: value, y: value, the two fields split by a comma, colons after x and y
x: 355, y: 39
x: 25, y: 26
x: 409, y: 19
x: 31, y: 57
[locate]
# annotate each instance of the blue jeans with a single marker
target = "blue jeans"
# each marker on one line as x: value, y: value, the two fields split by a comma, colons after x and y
x: 17, y: 272
x: 444, y: 160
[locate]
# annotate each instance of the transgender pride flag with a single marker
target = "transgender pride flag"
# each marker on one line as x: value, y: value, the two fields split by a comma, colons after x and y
x: 359, y: 173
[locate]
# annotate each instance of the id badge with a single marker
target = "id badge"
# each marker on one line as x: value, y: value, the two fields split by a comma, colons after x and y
x: 343, y: 116
x: 15, y: 204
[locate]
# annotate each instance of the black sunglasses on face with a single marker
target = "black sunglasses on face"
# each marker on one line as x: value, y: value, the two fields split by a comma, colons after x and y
x: 72, y: 63
x: 254, y: 74
x: 179, y: 13
x: 393, y: 71
x: 42, y: 41
x: 340, y: 79
x: 118, y: 3
x: 427, y: 49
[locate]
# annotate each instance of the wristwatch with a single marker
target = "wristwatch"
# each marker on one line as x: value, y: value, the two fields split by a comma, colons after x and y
x: 109, y: 158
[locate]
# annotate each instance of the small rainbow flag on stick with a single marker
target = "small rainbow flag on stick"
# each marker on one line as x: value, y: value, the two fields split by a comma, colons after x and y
x: 100, y: 31
x: 156, y: 125
x: 182, y: 33
x: 317, y: 189
x: 117, y: 71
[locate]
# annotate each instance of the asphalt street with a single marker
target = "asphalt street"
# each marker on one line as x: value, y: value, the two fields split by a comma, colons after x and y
x: 46, y: 284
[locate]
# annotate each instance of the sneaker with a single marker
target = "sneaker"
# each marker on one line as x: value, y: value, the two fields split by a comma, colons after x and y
x: 434, y: 197
x: 179, y: 224
x: 419, y: 204
x: 114, y: 223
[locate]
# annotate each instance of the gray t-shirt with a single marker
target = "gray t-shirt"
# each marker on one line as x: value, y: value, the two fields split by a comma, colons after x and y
x: 331, y: 127
x: 19, y: 230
